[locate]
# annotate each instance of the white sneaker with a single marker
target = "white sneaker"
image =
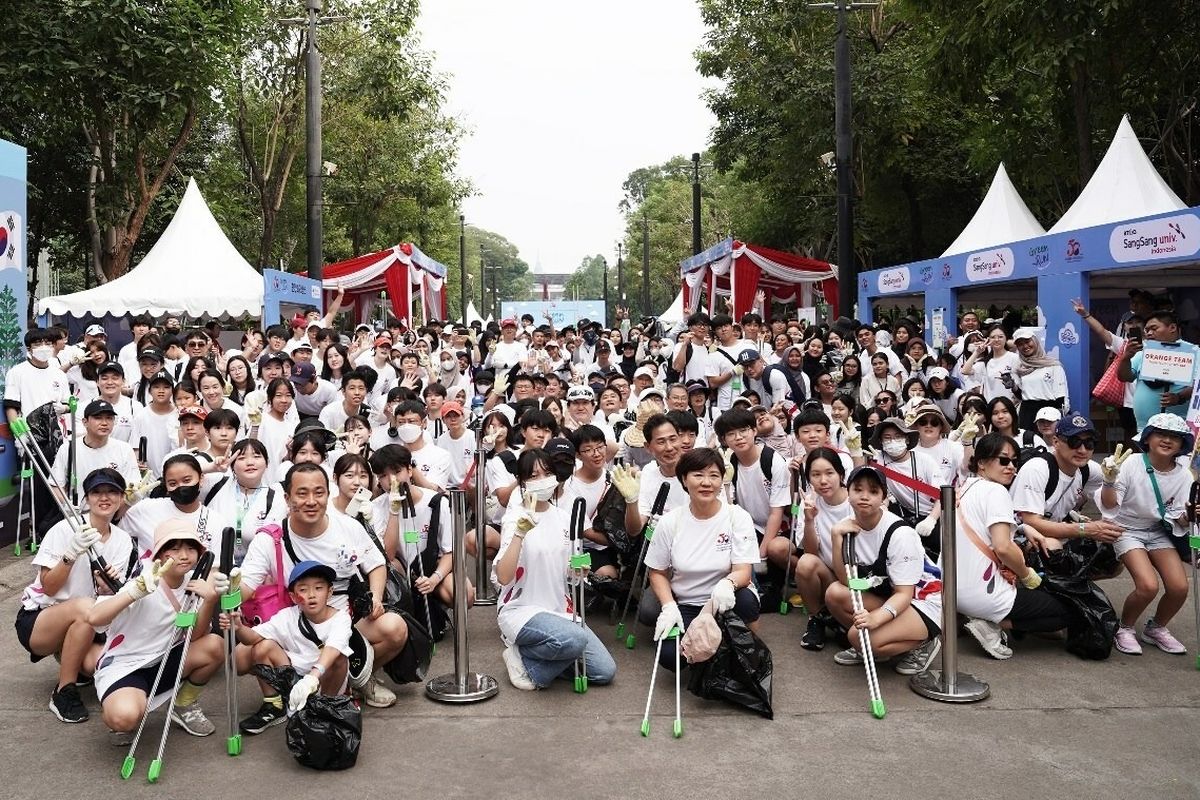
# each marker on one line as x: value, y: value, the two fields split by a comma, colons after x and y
x: 990, y: 638
x: 517, y: 675
x: 376, y: 695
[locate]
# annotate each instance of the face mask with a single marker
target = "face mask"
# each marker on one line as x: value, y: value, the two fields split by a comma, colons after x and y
x: 449, y: 366
x: 542, y: 488
x: 483, y: 388
x: 396, y: 363
x: 895, y: 447
x: 184, y: 495
x: 408, y: 432
x: 653, y: 351
x: 43, y: 352
x: 590, y: 337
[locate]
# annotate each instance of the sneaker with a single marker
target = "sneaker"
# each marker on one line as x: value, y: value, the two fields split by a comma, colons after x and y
x: 1161, y: 638
x: 376, y: 695
x: 120, y: 738
x: 848, y: 657
x: 990, y: 638
x: 517, y: 675
x: 920, y: 659
x: 191, y: 719
x: 67, y: 706
x: 1126, y: 641
x: 82, y: 680
x: 814, y: 638
x: 266, y: 716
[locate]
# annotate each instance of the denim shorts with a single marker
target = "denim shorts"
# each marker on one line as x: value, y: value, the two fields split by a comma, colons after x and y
x: 1155, y: 539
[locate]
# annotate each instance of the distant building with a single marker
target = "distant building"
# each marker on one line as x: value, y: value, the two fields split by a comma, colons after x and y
x: 549, y: 285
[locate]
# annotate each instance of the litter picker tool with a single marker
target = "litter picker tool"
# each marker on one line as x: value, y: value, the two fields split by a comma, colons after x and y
x: 857, y: 585
x: 797, y: 527
x: 581, y: 561
x: 660, y: 502
x: 185, y: 620
x: 26, y: 478
x: 70, y: 512
x: 72, y: 460
x: 677, y: 729
x: 408, y: 525
x: 1194, y: 542
x: 230, y: 603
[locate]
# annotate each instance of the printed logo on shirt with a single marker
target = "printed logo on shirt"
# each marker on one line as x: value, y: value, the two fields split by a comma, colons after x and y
x: 724, y: 542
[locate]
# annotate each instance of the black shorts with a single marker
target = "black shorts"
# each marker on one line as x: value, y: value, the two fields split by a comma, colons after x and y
x: 24, y: 625
x: 143, y: 677
x: 931, y: 627
x: 603, y: 558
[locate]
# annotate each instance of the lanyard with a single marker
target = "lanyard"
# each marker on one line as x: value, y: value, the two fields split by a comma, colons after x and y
x: 243, y: 507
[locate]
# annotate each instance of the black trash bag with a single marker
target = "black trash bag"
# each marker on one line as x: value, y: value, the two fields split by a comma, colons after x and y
x: 1093, y: 622
x: 411, y: 664
x: 609, y: 519
x: 327, y: 733
x: 739, y: 672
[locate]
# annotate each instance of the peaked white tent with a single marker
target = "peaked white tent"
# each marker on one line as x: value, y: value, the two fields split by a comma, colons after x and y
x: 1001, y: 217
x: 472, y: 313
x: 1125, y: 186
x: 192, y: 269
x: 674, y: 313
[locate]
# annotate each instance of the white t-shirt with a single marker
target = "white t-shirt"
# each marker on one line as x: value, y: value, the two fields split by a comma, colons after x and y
x: 1045, y: 383
x: 284, y: 630
x: 344, y: 546
x: 274, y: 435
x: 913, y: 465
x: 509, y: 353
x: 828, y: 516
x: 906, y: 564
x: 948, y: 457
x: 993, y: 385
x: 496, y: 476
x: 114, y: 453
x: 461, y: 452
x: 700, y: 552
x: 1029, y: 489
x: 434, y: 465
x: 591, y: 494
x: 982, y: 592
x: 148, y: 514
x: 248, y: 510
x: 539, y: 581
x: 758, y: 495
x: 127, y: 409
x: 651, y: 479
x: 159, y: 430
x: 1137, y: 506
x: 423, y: 509
x: 310, y: 405
x: 718, y: 365
x: 115, y: 550
x: 33, y: 387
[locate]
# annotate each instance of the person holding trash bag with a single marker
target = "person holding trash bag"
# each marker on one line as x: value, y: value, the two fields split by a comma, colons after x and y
x: 996, y: 589
x: 1147, y: 495
x: 542, y: 642
x: 903, y: 608
x: 705, y: 549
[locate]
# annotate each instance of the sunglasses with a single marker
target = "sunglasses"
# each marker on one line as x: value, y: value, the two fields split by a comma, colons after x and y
x: 929, y: 422
x: 1006, y: 461
x: 1075, y: 442
x: 196, y: 344
x: 882, y: 401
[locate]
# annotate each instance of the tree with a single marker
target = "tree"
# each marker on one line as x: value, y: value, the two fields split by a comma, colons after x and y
x: 587, y: 281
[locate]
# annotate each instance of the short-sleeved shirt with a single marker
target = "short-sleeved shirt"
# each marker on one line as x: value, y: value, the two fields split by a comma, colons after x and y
x: 284, y: 629
x: 1029, y: 489
x: 80, y: 583
x: 982, y: 591
x: 539, y: 581
x: 906, y: 563
x: 758, y: 494
x: 1147, y: 398
x: 700, y: 552
x: 651, y: 479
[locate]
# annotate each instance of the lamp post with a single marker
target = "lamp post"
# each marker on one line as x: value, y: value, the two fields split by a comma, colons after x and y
x: 696, y: 248
x: 621, y: 273
x: 645, y: 263
x: 604, y: 261
x: 462, y: 263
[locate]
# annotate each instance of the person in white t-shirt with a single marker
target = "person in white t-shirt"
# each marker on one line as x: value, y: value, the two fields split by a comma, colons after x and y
x: 509, y: 351
x: 157, y: 423
x: 950, y: 457
x: 998, y: 363
x: 536, y: 625
x: 432, y: 463
x: 723, y: 372
x: 52, y: 620
x: 590, y: 482
x: 351, y: 403
x: 1148, y: 495
x: 826, y: 503
x: 996, y: 589
x: 896, y: 443
x: 702, y: 551
x: 903, y: 611
x: 457, y: 442
x: 182, y: 480
x: 96, y: 449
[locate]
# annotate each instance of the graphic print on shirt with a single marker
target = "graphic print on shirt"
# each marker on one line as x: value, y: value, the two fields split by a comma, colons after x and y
x: 515, y: 590
x: 724, y: 542
x: 927, y: 588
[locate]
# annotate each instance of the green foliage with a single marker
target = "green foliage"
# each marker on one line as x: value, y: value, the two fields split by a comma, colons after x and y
x: 587, y: 281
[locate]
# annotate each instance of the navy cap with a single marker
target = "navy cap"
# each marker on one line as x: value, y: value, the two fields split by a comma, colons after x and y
x: 303, y: 372
x: 111, y: 366
x: 314, y: 568
x: 98, y: 407
x: 747, y: 357
x: 151, y: 354
x: 697, y: 385
x: 1073, y: 425
x: 560, y: 446
x: 105, y: 476
x: 267, y: 358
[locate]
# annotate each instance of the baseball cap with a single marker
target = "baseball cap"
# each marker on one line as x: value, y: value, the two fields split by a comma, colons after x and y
x: 697, y: 385
x: 175, y: 530
x: 867, y: 471
x: 111, y: 366
x: 193, y: 411
x: 560, y: 446
x: 362, y: 326
x: 267, y: 358
x: 95, y: 330
x: 151, y: 354
x: 98, y: 407
x: 508, y: 322
x: 1048, y: 414
x: 303, y: 344
x: 1073, y: 425
x: 383, y: 341
x: 938, y: 372
x: 581, y: 393
x: 162, y: 376
x: 303, y: 373
x: 747, y: 357
x: 1024, y: 333
x: 311, y: 568
x: 651, y: 391
x: 506, y: 411
x: 452, y: 407
x: 299, y: 321
x: 105, y: 476
x: 603, y: 346
x: 645, y: 372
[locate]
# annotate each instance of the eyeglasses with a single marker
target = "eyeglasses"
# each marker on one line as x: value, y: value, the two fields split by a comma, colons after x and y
x: 1006, y: 461
x: 196, y: 343
x: 592, y: 451
x: 1075, y: 442
x: 883, y: 401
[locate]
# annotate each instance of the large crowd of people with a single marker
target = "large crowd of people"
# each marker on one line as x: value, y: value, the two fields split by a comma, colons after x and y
x: 753, y: 447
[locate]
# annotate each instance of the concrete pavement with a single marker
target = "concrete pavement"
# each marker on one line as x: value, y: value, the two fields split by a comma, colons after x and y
x: 1054, y: 726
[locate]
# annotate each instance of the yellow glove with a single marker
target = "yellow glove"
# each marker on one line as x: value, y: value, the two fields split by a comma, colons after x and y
x: 1110, y: 467
x: 500, y: 385
x: 968, y: 429
x: 728, y: 466
x: 627, y: 483
x: 1031, y: 580
x: 394, y: 500
x: 852, y: 438
x: 147, y: 582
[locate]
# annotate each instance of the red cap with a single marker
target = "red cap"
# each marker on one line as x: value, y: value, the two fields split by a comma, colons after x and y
x: 383, y: 341
x: 193, y: 411
x: 299, y: 321
x: 452, y: 406
x: 508, y: 322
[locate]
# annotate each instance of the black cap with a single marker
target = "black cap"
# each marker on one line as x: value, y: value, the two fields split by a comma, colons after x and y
x: 111, y: 366
x: 98, y: 407
x: 560, y: 446
x: 870, y: 472
x: 748, y: 357
x: 267, y: 358
x: 151, y: 353
x: 162, y: 376
x: 105, y: 476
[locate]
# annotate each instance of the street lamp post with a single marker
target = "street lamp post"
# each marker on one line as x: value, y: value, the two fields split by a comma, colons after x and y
x: 645, y: 263
x: 462, y: 263
x: 604, y: 262
x: 696, y: 248
x: 621, y: 273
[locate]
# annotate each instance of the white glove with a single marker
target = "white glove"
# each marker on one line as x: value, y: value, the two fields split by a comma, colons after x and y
x: 301, y: 690
x: 141, y: 490
x: 668, y: 618
x: 489, y: 442
x: 627, y: 483
x: 852, y: 438
x: 84, y: 539
x: 729, y: 474
x: 224, y: 584
x: 527, y: 521
x: 500, y: 385
x: 925, y: 527
x: 967, y: 430
x: 723, y: 596
x: 360, y: 503
x: 147, y: 582
x: 394, y: 501
x: 1111, y: 465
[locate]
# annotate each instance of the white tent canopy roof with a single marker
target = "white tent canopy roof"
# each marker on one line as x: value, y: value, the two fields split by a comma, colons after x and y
x: 1125, y: 186
x: 192, y: 269
x: 472, y: 313
x: 1001, y: 217
x: 674, y: 313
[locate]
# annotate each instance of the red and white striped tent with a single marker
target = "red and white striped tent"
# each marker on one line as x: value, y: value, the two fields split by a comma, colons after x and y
x: 403, y: 271
x: 734, y: 269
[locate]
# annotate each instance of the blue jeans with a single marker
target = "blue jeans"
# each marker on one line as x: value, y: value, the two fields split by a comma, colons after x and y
x: 549, y: 645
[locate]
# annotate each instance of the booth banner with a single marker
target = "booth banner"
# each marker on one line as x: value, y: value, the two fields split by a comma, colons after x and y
x: 562, y: 312
x: 285, y: 288
x: 13, y: 306
x: 1163, y: 363
x: 1168, y: 237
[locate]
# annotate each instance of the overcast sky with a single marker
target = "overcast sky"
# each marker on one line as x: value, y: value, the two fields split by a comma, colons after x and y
x: 562, y: 100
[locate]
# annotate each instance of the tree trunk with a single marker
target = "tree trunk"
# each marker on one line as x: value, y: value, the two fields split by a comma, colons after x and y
x: 1083, y: 124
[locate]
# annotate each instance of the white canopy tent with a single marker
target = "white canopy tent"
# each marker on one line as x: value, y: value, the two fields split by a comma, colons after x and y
x: 192, y: 269
x: 1001, y: 217
x: 1125, y: 186
x: 674, y: 313
x: 472, y: 313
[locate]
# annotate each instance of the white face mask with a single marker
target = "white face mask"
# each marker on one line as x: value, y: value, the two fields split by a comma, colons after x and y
x: 895, y: 447
x: 408, y: 432
x: 542, y: 488
x: 43, y: 352
x: 449, y: 366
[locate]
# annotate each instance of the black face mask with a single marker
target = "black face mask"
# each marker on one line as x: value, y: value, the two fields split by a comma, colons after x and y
x: 184, y: 495
x: 590, y: 337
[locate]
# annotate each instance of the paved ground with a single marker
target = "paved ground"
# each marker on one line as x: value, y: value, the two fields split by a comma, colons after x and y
x: 1054, y: 725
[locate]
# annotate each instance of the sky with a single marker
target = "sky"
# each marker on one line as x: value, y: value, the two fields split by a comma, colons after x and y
x: 561, y: 101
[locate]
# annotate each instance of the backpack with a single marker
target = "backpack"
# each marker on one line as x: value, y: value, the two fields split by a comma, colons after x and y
x: 609, y: 518
x: 798, y: 395
x: 1052, y: 465
x: 765, y: 459
x: 1029, y: 450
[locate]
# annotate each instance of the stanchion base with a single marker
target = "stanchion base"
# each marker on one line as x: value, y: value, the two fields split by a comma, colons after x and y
x: 447, y: 689
x: 484, y: 601
x: 967, y: 689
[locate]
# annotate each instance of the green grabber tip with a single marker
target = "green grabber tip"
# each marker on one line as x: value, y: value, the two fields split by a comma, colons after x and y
x: 677, y: 729
x: 877, y: 709
x: 127, y: 768
x: 17, y: 548
x: 33, y: 546
x: 19, y: 427
x: 581, y: 684
x: 630, y: 641
x: 154, y: 771
x: 645, y: 727
x: 620, y: 631
x: 233, y: 745
x: 784, y: 606
x: 72, y: 403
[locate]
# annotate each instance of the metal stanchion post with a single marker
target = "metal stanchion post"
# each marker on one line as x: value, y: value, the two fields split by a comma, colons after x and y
x: 948, y: 684
x: 463, y: 686
x: 484, y: 596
